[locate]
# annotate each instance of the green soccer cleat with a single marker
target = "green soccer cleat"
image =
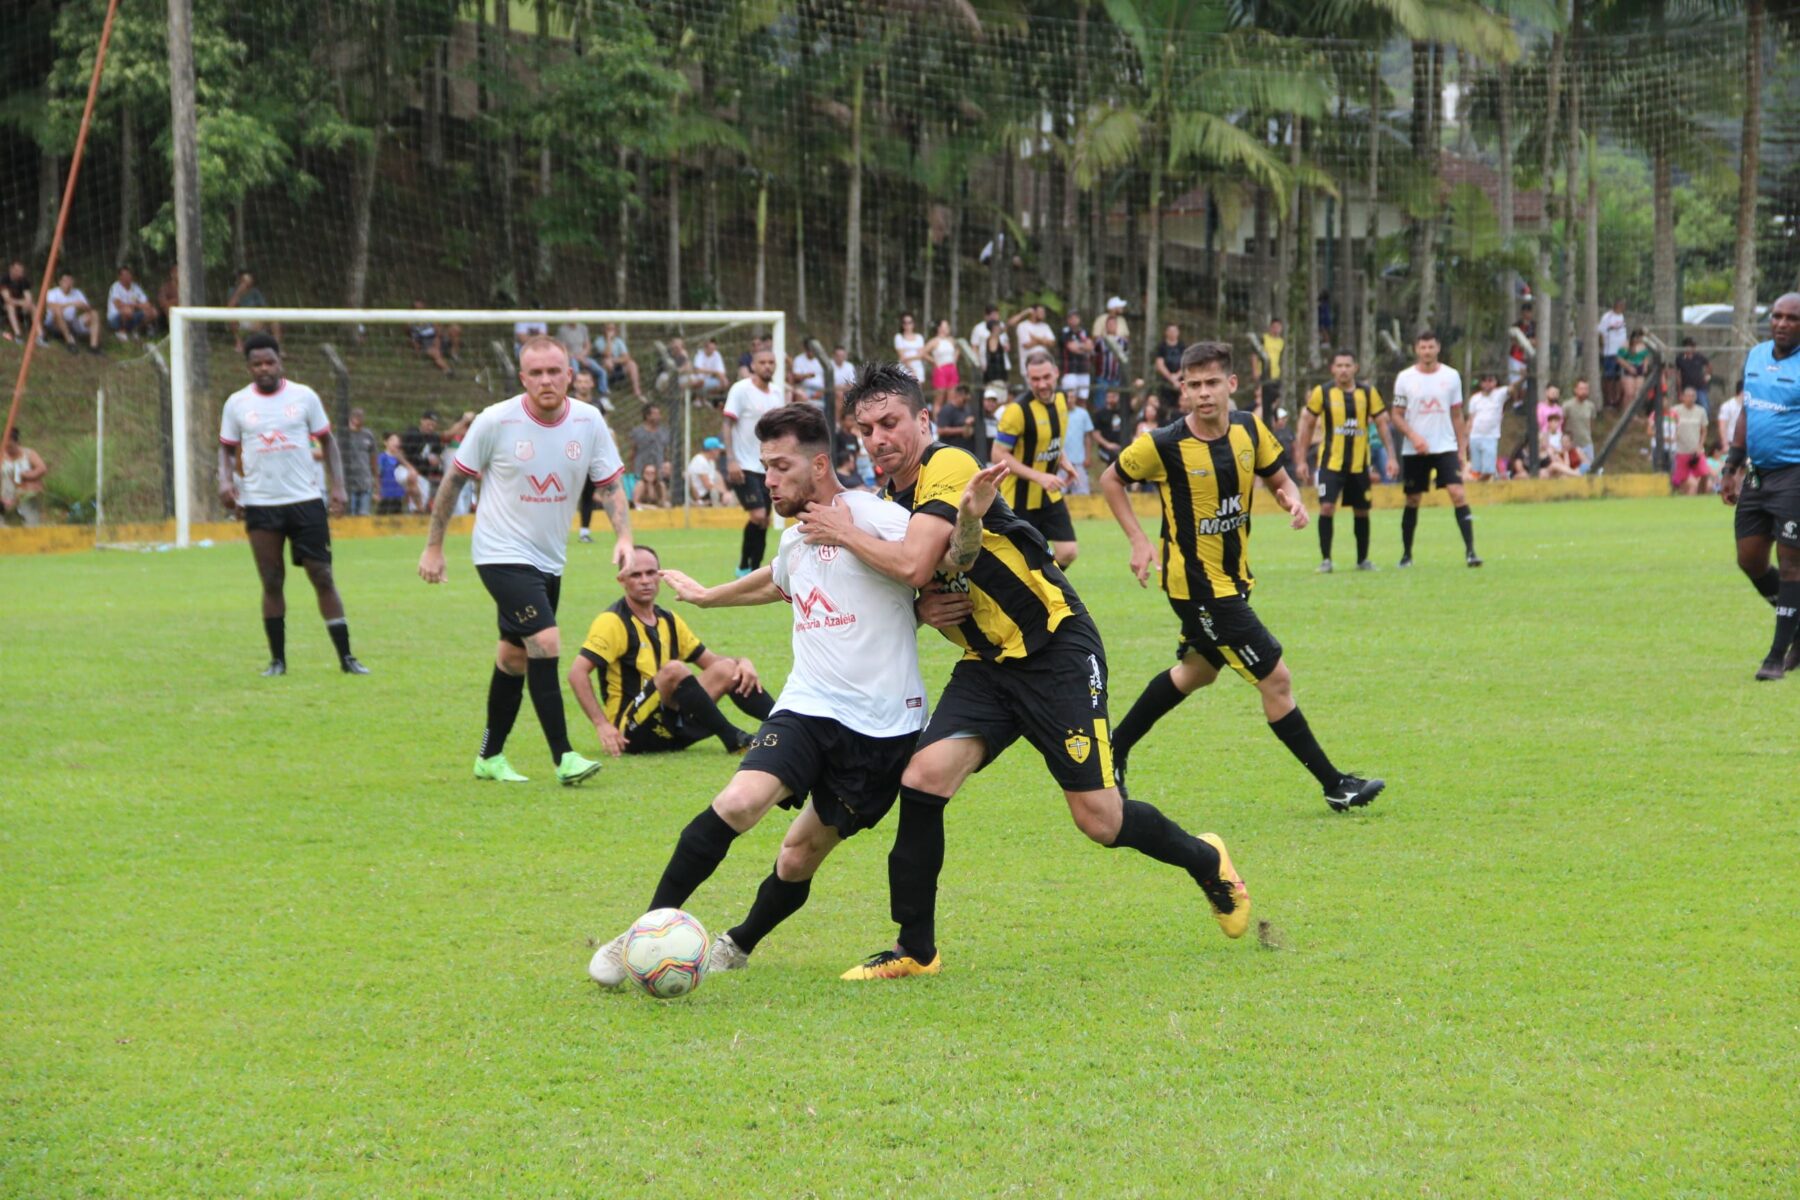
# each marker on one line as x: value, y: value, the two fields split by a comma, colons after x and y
x: 573, y: 769
x: 498, y: 769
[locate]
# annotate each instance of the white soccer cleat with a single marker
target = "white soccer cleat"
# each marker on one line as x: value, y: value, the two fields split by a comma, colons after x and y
x: 607, y: 967
x: 725, y: 955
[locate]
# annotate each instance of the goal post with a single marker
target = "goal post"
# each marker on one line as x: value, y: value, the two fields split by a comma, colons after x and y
x: 187, y: 434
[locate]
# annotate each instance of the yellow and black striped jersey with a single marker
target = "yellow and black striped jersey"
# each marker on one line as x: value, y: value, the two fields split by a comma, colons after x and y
x: 1206, y: 488
x: 1344, y: 422
x: 1019, y: 593
x: 1033, y: 430
x: 629, y: 653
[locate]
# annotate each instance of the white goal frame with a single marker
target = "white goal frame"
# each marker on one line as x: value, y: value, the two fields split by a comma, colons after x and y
x: 181, y: 316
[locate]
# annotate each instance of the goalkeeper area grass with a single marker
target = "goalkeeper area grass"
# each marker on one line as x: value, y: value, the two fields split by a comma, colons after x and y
x: 268, y: 938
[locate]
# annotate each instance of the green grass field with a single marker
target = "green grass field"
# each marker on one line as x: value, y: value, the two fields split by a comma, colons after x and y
x: 267, y: 938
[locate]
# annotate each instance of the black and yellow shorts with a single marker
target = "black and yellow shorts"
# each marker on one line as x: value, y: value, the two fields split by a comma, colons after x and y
x: 651, y: 727
x: 1227, y: 633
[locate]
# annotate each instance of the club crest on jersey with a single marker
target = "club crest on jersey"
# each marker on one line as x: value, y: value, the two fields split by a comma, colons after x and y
x: 572, y: 451
x: 290, y: 411
x: 1078, y: 745
x: 524, y: 450
x: 1244, y: 459
x: 1787, y: 531
x: 826, y: 553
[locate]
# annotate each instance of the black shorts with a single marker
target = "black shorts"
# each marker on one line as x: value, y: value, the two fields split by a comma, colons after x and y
x: 1271, y: 396
x: 1769, y: 505
x: 525, y: 597
x: 304, y: 525
x: 660, y: 730
x: 1344, y: 487
x: 1054, y: 699
x: 1052, y: 521
x: 853, y: 778
x: 1416, y: 471
x: 753, y: 493
x: 1226, y: 633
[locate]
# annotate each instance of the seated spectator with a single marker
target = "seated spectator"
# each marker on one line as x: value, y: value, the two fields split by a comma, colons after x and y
x: 650, y: 445
x: 424, y: 450
x: 652, y: 490
x: 22, y: 474
x: 756, y: 346
x: 1634, y: 365
x: 616, y: 358
x: 955, y: 423
x: 574, y: 337
x: 843, y: 374
x: 710, y: 380
x: 527, y: 329
x: 17, y: 300
x: 128, y: 309
x: 1559, y: 453
x: 808, y: 374
x: 1690, y: 468
x: 705, y: 486
x: 845, y: 437
x: 427, y: 340
x: 245, y: 294
x: 844, y: 463
x: 590, y: 390
x: 67, y: 311
x: 398, y: 482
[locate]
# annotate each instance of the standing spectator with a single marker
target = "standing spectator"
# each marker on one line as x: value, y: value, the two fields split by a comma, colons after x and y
x: 17, y: 300
x: 992, y: 345
x: 22, y: 474
x: 1578, y: 425
x: 1487, y: 408
x: 808, y: 374
x: 909, y: 347
x: 360, y: 449
x: 1077, y: 439
x: 1634, y: 365
x: 843, y: 374
x: 650, y: 444
x: 1519, y: 342
x: 1558, y: 454
x: 615, y: 356
x: 756, y: 346
x: 705, y: 486
x: 428, y: 341
x: 1076, y: 350
x: 66, y: 310
x: 1695, y: 371
x: 1168, y: 367
x: 1111, y: 420
x: 1112, y: 350
x: 399, y: 490
x: 993, y: 399
x: 1550, y: 405
x: 709, y: 366
x: 1034, y: 331
x: 652, y: 489
x: 1611, y: 331
x: 1728, y: 416
x: 941, y: 352
x: 1116, y: 308
x: 245, y: 294
x: 955, y: 423
x: 579, y: 343
x: 1274, y: 348
x: 424, y: 451
x: 1150, y: 420
x: 128, y: 309
x: 1689, y: 420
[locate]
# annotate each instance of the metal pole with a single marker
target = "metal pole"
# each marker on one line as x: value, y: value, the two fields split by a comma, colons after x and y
x: 178, y: 414
x: 183, y: 109
x: 99, y: 460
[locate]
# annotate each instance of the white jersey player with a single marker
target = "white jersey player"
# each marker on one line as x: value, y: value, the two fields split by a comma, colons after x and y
x: 266, y: 471
x: 845, y: 723
x: 533, y: 454
x: 1434, y: 430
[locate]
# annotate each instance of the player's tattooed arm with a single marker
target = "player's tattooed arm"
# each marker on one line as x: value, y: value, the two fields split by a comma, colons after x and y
x: 443, y: 504
x: 977, y: 499
x: 618, y: 511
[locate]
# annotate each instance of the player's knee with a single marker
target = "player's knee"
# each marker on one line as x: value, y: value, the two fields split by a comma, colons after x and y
x: 741, y: 805
x: 1278, y: 682
x: 669, y: 676
x: 1328, y: 510
x: 1097, y: 815
x: 320, y: 574
x: 800, y: 857
x: 1066, y: 553
x: 273, y: 578
x: 759, y: 517
x: 510, y: 658
x: 545, y: 643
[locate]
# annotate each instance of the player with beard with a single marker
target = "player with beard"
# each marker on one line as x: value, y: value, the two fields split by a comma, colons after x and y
x: 746, y: 402
x: 265, y: 437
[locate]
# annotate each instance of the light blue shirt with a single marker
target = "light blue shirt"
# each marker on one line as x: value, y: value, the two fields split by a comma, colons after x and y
x: 1772, y: 408
x: 1075, y: 436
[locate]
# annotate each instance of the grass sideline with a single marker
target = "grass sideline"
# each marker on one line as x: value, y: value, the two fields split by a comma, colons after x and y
x: 267, y: 938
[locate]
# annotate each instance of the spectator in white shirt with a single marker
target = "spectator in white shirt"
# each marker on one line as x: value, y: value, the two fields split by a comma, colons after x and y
x: 709, y: 368
x: 705, y: 486
x: 1487, y: 408
x: 523, y: 330
x: 67, y: 311
x: 992, y: 345
x: 128, y: 309
x: 1034, y: 332
x: 843, y: 374
x: 1612, y: 331
x: 909, y: 347
x: 808, y: 374
x: 1728, y: 415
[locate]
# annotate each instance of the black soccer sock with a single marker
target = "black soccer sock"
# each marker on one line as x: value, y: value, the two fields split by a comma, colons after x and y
x: 1362, y: 539
x: 776, y: 901
x: 1409, y: 521
x: 758, y: 704
x: 1768, y: 584
x: 1465, y: 521
x: 695, y: 705
x: 339, y: 629
x: 1787, y: 617
x: 1298, y: 737
x: 745, y: 562
x: 1325, y: 524
x: 504, y: 694
x: 1145, y: 829
x: 698, y: 853
x: 275, y: 629
x: 545, y: 681
x: 1159, y: 697
x: 759, y: 543
x: 914, y: 865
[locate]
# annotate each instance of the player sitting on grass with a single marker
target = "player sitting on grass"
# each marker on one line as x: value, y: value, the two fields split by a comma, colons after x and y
x: 649, y: 700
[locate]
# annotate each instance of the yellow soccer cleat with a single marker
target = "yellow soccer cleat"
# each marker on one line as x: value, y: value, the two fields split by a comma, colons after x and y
x: 891, y: 964
x: 1227, y: 894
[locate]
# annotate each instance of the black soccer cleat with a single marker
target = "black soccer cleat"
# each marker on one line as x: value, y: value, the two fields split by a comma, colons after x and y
x: 1791, y: 661
x: 1353, y: 791
x: 1405, y: 560
x: 1473, y: 559
x: 1772, y: 669
x: 350, y: 666
x: 276, y: 667
x: 1367, y: 565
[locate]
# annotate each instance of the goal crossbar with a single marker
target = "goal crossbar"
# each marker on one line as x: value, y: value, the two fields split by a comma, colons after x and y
x: 181, y: 316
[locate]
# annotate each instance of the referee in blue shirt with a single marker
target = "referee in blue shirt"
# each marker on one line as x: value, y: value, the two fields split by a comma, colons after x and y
x: 1767, y: 494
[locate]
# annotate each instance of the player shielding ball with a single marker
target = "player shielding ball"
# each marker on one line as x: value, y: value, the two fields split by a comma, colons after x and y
x: 533, y: 454
x: 1205, y: 468
x: 846, y: 720
x: 1434, y: 429
x: 1342, y: 412
x: 1762, y: 477
x: 265, y: 439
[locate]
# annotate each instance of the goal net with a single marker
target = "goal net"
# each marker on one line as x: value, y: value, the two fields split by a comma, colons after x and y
x: 158, y: 423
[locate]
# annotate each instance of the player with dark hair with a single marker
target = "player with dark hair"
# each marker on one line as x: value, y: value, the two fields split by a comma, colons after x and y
x: 1032, y: 667
x: 1030, y: 443
x: 848, y: 716
x: 1762, y: 477
x: 1342, y: 412
x: 1205, y: 466
x: 266, y: 470
x: 1428, y: 413
x: 649, y: 700
x: 533, y: 453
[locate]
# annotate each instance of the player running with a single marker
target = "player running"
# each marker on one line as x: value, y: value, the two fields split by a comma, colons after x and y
x: 1342, y: 413
x: 1032, y: 667
x: 649, y: 700
x: 1767, y: 495
x: 745, y: 404
x: 1205, y: 467
x: 1428, y: 413
x: 847, y: 718
x: 1030, y: 442
x: 265, y: 434
x: 533, y: 454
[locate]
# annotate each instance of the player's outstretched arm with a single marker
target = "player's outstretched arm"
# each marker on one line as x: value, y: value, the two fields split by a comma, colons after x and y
x: 1287, y: 494
x: 1045, y: 480
x: 618, y: 511
x: 971, y: 511
x: 431, y: 562
x: 1143, y: 554
x: 758, y: 587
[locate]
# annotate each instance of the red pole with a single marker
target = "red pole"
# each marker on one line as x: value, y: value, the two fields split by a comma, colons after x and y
x: 62, y: 221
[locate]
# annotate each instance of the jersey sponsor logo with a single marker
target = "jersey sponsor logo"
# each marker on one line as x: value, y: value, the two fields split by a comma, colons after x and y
x: 545, y: 489
x: 572, y: 451
x: 275, y: 439
x: 915, y: 702
x: 815, y: 601
x: 1230, y: 516
x: 1096, y: 683
x: 1349, y: 429
x: 524, y: 450
x: 1430, y: 404
x: 1078, y: 746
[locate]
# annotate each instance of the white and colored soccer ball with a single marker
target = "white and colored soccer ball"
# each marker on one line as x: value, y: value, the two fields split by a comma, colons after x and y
x: 665, y: 953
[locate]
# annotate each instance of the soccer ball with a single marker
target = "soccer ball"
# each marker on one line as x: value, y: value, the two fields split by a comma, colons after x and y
x: 665, y: 953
